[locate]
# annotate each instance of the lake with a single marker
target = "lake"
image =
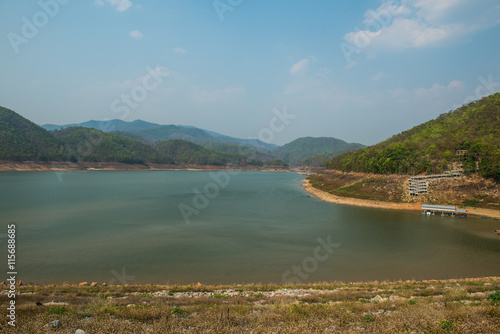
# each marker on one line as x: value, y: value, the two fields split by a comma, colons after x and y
x: 212, y: 227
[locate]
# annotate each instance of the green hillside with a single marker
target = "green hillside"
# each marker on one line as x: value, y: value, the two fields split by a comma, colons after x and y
x: 300, y: 149
x: 250, y: 153
x: 130, y: 135
x: 186, y: 152
x: 22, y: 140
x: 90, y: 145
x: 431, y: 147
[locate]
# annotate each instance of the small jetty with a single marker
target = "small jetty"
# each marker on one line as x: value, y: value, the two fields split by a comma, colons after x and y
x: 443, y: 210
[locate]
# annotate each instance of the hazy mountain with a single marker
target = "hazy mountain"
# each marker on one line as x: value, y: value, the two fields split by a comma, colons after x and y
x: 23, y: 140
x: 154, y: 132
x: 107, y: 126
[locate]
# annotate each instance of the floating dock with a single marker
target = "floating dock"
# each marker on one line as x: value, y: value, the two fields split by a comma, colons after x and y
x: 443, y: 210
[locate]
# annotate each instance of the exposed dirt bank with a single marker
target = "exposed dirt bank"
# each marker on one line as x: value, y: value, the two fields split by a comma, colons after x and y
x: 478, y: 196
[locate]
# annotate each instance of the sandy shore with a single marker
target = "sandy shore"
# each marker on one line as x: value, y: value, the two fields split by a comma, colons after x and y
x: 327, y: 197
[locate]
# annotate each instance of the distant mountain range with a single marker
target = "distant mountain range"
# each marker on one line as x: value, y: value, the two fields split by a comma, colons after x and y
x: 153, y: 132
x: 142, y: 142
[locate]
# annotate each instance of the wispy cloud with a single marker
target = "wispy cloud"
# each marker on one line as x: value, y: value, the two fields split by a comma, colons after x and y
x: 136, y: 34
x: 299, y: 66
x: 423, y: 23
x: 120, y: 5
x: 378, y: 76
x: 179, y: 50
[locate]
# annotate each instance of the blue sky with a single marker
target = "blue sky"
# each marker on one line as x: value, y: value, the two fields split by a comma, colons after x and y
x: 360, y: 71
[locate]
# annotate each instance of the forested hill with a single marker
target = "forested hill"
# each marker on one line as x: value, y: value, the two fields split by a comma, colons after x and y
x: 431, y: 147
x: 21, y: 139
x: 313, y: 151
x: 90, y: 145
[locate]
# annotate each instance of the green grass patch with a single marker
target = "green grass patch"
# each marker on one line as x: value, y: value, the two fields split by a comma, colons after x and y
x: 61, y: 310
x: 367, y: 319
x: 494, y: 297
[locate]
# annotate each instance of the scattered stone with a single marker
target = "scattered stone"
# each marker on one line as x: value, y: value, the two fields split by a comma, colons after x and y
x: 378, y: 299
x: 397, y: 298
x: 131, y: 305
x: 54, y: 324
x: 52, y: 303
x: 83, y: 284
x: 478, y: 294
x: 93, y: 284
x: 104, y: 284
x: 80, y: 331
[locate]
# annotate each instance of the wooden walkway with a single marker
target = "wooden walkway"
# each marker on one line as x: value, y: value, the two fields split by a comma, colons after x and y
x: 417, y: 184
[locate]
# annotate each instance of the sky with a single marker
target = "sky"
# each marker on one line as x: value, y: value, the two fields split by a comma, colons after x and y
x: 357, y: 70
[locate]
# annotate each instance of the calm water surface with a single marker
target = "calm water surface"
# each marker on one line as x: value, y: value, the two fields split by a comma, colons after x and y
x: 126, y: 227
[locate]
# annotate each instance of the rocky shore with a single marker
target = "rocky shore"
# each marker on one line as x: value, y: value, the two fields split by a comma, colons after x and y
x: 432, y: 306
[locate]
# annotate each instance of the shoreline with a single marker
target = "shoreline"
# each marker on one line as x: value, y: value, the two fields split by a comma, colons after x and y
x: 258, y: 286
x: 331, y: 198
x: 37, y: 166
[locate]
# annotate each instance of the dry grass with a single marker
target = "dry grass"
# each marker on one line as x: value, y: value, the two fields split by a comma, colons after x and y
x: 453, y: 306
x: 388, y: 188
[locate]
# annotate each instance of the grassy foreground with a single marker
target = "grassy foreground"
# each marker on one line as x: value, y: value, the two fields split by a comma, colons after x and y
x: 447, y: 306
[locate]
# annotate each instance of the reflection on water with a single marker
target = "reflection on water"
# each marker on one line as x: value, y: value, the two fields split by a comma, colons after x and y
x: 107, y: 226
